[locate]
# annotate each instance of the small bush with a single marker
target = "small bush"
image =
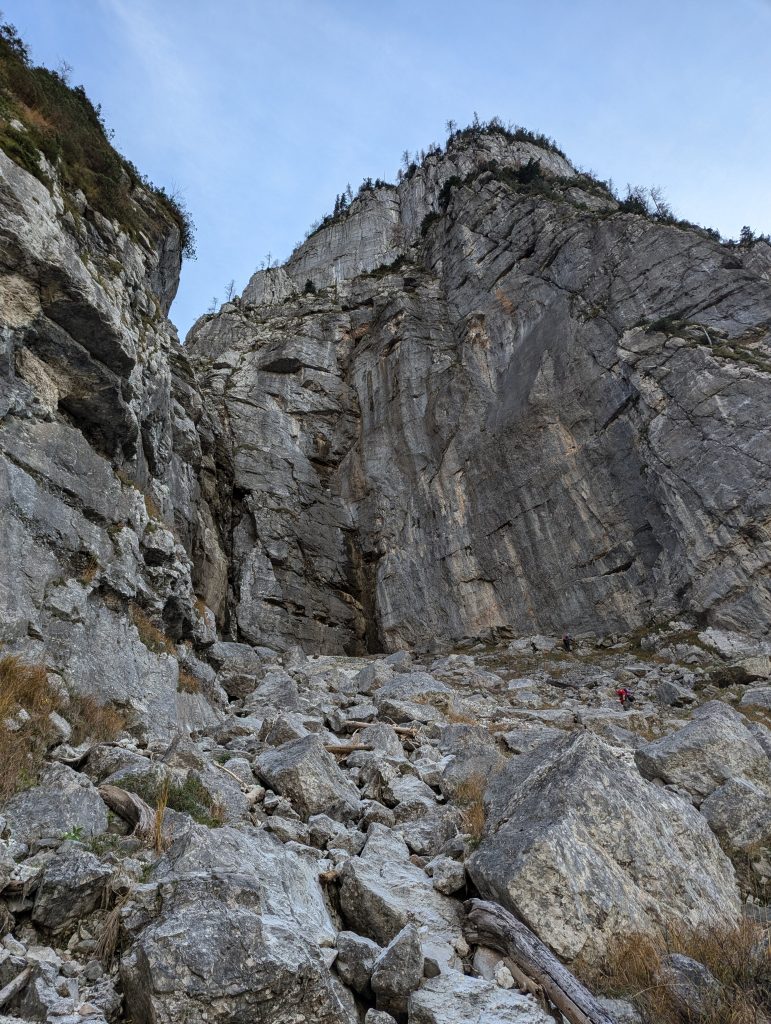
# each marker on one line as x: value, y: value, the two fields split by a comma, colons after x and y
x: 666, y: 324
x: 445, y: 194
x: 635, y: 201
x: 530, y: 171
x: 427, y: 221
x: 189, y: 797
x: 310, y: 288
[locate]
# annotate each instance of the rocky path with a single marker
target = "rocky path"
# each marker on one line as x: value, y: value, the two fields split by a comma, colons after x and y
x: 320, y: 839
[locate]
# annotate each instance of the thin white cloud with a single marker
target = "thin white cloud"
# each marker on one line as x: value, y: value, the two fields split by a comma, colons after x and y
x: 170, y: 78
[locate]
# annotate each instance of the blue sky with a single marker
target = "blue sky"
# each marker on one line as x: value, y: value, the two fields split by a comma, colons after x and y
x: 262, y: 111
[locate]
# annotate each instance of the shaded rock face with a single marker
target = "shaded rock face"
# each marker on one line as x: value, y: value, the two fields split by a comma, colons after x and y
x: 110, y: 495
x: 523, y: 424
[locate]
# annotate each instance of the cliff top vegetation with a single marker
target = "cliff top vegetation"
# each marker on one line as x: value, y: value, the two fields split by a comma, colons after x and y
x: 40, y: 112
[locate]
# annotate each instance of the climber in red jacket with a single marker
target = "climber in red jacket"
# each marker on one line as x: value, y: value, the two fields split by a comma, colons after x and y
x: 625, y: 696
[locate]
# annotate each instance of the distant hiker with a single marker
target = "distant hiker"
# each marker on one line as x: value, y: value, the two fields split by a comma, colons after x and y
x: 625, y: 696
x: 534, y: 646
x: 567, y: 642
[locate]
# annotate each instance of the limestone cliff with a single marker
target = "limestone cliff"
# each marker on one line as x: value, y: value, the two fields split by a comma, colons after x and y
x: 490, y: 401
x: 110, y: 499
x: 502, y: 402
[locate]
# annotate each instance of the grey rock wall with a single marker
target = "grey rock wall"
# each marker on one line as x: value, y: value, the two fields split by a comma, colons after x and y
x: 111, y: 485
x: 531, y: 413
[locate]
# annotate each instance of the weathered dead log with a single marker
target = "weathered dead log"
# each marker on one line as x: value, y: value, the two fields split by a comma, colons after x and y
x: 400, y: 730
x: 345, y: 748
x: 14, y: 986
x: 131, y: 808
x: 487, y: 924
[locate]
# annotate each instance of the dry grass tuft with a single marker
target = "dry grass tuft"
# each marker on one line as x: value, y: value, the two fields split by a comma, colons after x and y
x: 89, y: 570
x: 458, y: 717
x: 151, y: 507
x: 755, y: 714
x: 470, y: 795
x: 188, y: 683
x: 738, y: 956
x: 218, y: 812
x: 151, y: 636
x: 23, y: 685
x: 107, y: 940
x: 752, y: 882
x: 26, y: 731
x: 26, y: 701
x: 91, y: 720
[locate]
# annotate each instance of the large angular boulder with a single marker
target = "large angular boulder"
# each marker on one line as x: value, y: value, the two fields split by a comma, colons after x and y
x: 739, y: 812
x: 575, y: 841
x: 398, y: 971
x: 381, y: 891
x: 232, y: 927
x: 308, y: 775
x: 356, y: 956
x: 714, y: 746
x: 453, y: 998
x: 240, y: 667
x: 73, y: 884
x: 63, y: 801
x: 412, y: 696
x: 757, y: 697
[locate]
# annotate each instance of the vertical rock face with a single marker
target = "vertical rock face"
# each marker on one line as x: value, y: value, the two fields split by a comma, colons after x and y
x: 483, y: 401
x: 109, y: 490
x: 508, y: 406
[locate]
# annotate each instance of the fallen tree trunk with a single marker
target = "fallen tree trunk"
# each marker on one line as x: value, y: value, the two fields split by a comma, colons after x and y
x: 487, y: 924
x: 14, y: 986
x: 131, y: 808
x: 400, y: 730
x: 345, y: 748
